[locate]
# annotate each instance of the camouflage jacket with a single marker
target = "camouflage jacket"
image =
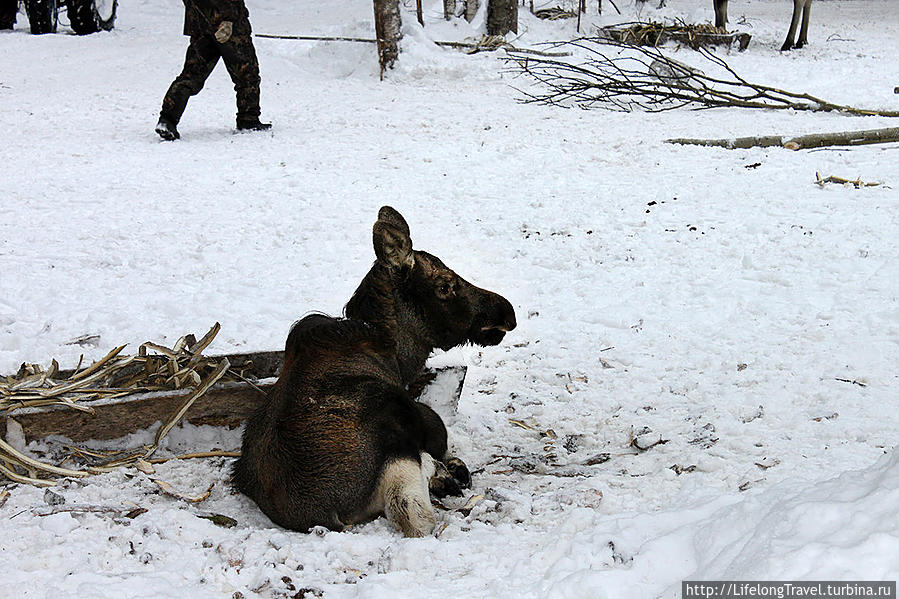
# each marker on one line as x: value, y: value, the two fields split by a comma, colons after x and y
x: 203, y: 17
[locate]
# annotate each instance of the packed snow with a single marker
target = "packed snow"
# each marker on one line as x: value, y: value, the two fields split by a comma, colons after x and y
x: 717, y: 308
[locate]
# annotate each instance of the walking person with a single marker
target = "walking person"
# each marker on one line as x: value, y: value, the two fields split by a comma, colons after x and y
x: 217, y: 29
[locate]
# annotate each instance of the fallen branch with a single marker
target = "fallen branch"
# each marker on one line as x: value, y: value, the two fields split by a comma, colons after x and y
x: 486, y: 44
x: 858, y: 183
x: 618, y: 76
x: 128, y: 512
x: 802, y: 142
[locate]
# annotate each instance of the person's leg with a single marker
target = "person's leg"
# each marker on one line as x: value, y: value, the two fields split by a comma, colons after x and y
x: 239, y: 57
x: 202, y: 56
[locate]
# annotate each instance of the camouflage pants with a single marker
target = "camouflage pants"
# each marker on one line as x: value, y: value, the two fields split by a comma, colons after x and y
x: 203, y: 54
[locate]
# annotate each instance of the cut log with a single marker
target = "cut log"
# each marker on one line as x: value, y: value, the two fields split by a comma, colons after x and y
x: 802, y: 142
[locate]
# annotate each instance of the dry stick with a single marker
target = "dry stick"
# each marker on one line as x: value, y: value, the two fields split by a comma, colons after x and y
x: 83, y: 509
x: 171, y: 491
x: 802, y: 142
x: 32, y: 463
x: 214, y: 376
x: 16, y: 477
x: 202, y: 454
x: 858, y: 183
x: 96, y: 365
x: 83, y: 382
x: 197, y: 348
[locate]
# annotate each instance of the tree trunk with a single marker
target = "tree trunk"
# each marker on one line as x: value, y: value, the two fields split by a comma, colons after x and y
x: 814, y: 140
x: 471, y: 9
x: 502, y: 17
x: 449, y: 9
x: 388, y: 30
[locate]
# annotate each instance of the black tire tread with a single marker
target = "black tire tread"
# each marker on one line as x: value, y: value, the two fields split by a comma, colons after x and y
x: 85, y: 19
x: 41, y: 15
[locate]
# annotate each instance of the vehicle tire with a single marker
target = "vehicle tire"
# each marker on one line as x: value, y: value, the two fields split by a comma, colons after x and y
x: 41, y: 15
x: 90, y: 16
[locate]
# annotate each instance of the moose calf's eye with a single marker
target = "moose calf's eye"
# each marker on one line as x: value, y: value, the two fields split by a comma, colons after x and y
x: 444, y: 289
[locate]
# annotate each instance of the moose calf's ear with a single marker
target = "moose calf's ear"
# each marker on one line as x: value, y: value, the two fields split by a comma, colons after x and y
x: 389, y: 215
x: 393, y: 247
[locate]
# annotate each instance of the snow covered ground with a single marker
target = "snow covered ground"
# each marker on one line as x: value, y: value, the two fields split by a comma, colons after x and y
x: 717, y: 300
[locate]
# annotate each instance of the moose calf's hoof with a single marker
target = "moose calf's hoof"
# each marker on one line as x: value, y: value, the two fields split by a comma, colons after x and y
x: 442, y: 484
x: 459, y: 471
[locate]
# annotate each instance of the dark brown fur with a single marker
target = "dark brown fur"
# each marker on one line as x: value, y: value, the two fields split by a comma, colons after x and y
x: 340, y: 413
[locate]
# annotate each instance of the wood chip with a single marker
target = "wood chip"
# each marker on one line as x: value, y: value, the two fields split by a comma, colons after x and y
x: 600, y: 458
x: 144, y: 466
x: 472, y: 502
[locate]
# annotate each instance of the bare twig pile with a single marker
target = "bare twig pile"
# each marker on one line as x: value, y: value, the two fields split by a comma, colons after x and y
x: 621, y: 77
x: 115, y: 375
x: 655, y: 34
x: 554, y: 13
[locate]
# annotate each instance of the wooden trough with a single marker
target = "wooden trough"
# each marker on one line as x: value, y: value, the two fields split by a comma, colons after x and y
x: 120, y: 394
x: 658, y: 34
x: 224, y: 404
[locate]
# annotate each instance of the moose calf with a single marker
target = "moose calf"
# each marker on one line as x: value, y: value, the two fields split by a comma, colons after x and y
x: 341, y: 440
x: 800, y: 8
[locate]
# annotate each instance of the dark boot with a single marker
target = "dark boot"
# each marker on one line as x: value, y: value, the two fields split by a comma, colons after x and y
x: 167, y: 129
x: 252, y: 124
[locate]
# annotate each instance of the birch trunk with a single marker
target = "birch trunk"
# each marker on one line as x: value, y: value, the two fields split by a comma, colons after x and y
x: 388, y: 30
x: 813, y: 140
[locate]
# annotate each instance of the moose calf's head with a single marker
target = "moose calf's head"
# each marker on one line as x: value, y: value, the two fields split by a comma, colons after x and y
x: 431, y: 304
